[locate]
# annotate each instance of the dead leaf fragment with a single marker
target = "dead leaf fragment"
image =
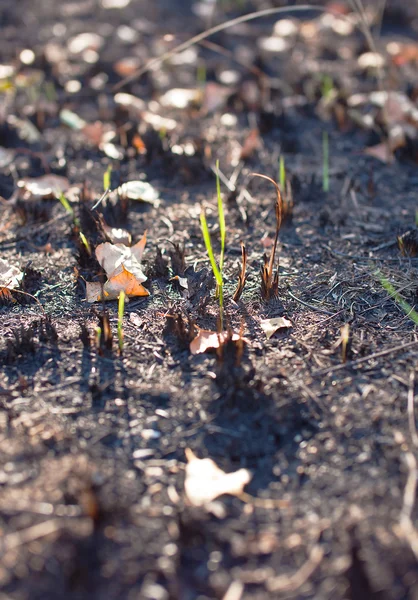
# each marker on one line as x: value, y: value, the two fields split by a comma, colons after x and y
x: 181, y: 97
x: 182, y: 281
x: 139, y: 190
x: 210, y: 340
x: 270, y: 326
x: 10, y: 277
x: 47, y: 186
x: 205, y: 481
x: 123, y: 269
x: 114, y: 234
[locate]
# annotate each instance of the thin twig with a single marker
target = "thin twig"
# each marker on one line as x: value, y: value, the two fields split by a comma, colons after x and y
x: 291, y: 583
x: 100, y: 200
x: 411, y: 409
x: 359, y: 361
x: 321, y: 310
x: 159, y: 60
x: 30, y: 296
x: 368, y: 258
x: 405, y: 521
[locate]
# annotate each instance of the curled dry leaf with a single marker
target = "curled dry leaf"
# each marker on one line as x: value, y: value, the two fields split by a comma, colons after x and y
x: 205, y: 481
x: 182, y: 281
x: 270, y: 326
x: 10, y: 277
x: 123, y: 269
x: 139, y: 190
x: 181, y: 97
x: 114, y: 234
x: 47, y: 186
x: 211, y: 340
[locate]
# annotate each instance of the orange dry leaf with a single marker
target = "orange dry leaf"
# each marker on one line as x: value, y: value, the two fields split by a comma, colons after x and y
x: 127, y: 282
x: 123, y: 269
x: 210, y: 340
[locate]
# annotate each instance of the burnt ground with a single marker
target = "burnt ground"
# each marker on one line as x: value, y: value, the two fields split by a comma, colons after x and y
x: 92, y: 444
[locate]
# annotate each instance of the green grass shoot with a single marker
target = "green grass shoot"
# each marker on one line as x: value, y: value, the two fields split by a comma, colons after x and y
x: 221, y: 215
x: 327, y: 86
x: 107, y: 177
x: 282, y: 174
x: 69, y: 209
x: 325, y: 162
x: 85, y: 242
x: 66, y: 204
x: 201, y: 74
x: 406, y: 307
x: 98, y: 336
x: 121, y: 312
x: 216, y: 271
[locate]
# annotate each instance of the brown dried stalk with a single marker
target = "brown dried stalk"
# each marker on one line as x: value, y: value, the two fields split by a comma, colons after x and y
x: 242, y: 277
x: 270, y: 281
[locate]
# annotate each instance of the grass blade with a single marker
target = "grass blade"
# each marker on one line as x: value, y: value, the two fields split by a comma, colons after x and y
x: 222, y: 226
x: 209, y: 250
x: 406, y: 307
x: 282, y: 174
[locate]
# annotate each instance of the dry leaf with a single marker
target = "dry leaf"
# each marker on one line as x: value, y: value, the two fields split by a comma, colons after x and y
x: 381, y: 152
x: 10, y: 277
x: 123, y: 269
x: 181, y: 97
x: 270, y: 326
x: 47, y: 186
x: 139, y: 190
x: 182, y: 281
x: 205, y: 481
x: 251, y: 144
x: 115, y: 234
x: 210, y: 340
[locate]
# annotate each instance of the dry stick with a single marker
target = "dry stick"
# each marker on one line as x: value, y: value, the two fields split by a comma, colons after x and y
x: 100, y: 200
x: 411, y: 409
x: 357, y: 5
x: 230, y: 55
x: 35, y: 532
x: 321, y: 310
x: 156, y: 62
x: 30, y: 296
x: 354, y: 363
x: 291, y: 583
x: 407, y: 528
x: 338, y: 254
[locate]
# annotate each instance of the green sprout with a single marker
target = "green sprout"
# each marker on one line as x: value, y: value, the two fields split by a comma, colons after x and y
x: 325, y: 162
x: 107, y: 177
x: 69, y: 209
x: 217, y: 271
x: 201, y: 74
x: 406, y: 307
x: 327, y: 86
x: 85, y: 242
x: 282, y: 174
x: 98, y: 336
x: 222, y: 227
x: 121, y: 311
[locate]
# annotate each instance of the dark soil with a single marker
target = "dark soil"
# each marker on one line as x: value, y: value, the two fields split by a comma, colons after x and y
x: 92, y: 444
